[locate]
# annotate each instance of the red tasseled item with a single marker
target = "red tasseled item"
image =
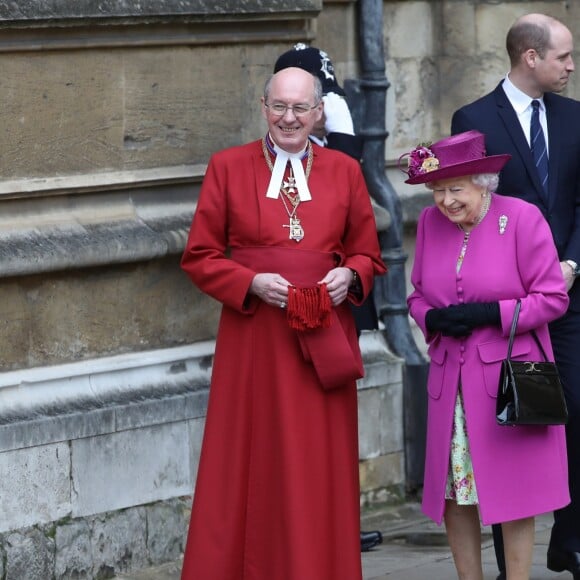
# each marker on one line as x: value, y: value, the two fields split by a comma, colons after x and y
x: 309, y: 308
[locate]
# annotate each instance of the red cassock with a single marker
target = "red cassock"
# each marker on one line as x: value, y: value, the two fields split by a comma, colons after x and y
x: 277, y: 492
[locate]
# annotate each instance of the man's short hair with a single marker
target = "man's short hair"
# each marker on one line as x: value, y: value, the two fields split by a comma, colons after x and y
x: 525, y: 35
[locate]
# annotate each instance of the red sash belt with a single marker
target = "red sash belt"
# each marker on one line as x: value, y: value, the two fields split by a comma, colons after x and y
x: 335, y: 356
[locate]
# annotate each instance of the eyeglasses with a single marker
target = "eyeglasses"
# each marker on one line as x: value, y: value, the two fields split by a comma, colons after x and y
x: 279, y: 109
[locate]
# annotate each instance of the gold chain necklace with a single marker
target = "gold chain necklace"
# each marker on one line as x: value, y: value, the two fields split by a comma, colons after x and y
x: 295, y: 229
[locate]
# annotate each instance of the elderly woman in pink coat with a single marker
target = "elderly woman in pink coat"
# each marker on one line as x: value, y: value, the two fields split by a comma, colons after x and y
x: 477, y: 253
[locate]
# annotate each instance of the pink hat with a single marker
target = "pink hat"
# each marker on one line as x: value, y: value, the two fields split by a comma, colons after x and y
x: 456, y: 156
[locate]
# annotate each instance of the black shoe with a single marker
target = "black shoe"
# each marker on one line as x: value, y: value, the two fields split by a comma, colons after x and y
x: 501, y: 575
x: 369, y: 540
x: 560, y: 560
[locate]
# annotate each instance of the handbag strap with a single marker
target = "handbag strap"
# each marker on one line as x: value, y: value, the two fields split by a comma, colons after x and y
x: 513, y: 328
x: 513, y: 333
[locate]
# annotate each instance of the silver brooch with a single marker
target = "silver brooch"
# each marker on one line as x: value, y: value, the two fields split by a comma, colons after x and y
x: 502, y: 223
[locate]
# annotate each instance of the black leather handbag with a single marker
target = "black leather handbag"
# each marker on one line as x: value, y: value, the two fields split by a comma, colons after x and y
x: 530, y: 392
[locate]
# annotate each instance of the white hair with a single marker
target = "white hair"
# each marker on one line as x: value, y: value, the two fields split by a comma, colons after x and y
x: 487, y: 180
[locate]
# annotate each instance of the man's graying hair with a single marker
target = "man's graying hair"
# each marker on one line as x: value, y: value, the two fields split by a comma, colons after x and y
x: 317, y: 89
x: 525, y: 35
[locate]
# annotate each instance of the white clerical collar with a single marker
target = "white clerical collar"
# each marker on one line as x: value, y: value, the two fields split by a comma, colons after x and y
x: 282, y: 158
x: 519, y: 100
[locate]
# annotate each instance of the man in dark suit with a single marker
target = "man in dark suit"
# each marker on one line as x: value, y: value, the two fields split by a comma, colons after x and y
x: 540, y: 51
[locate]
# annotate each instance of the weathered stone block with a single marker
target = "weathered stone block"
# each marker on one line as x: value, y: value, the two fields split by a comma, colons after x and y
x: 383, y: 374
x: 129, y: 468
x: 155, y: 412
x: 29, y: 556
x: 458, y: 29
x: 338, y: 38
x: 118, y: 543
x: 35, y: 486
x: 411, y: 113
x: 476, y: 77
x: 380, y: 413
x: 196, y: 428
x: 382, y: 472
x: 43, y: 430
x: 167, y: 526
x: 401, y: 35
x: 65, y: 318
x: 74, y: 556
x: 380, y: 422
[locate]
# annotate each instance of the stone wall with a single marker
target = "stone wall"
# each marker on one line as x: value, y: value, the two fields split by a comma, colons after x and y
x: 110, y: 113
x: 98, y: 481
x: 109, y: 116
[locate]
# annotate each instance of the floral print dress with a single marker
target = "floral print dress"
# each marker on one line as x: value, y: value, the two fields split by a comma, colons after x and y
x: 460, y: 481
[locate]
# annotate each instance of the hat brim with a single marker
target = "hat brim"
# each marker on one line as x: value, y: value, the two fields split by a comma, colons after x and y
x: 491, y: 164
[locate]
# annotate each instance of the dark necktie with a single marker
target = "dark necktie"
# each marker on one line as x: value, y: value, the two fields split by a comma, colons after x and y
x: 538, y: 145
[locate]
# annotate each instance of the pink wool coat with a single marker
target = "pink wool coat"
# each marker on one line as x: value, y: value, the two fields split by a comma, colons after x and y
x: 519, y: 471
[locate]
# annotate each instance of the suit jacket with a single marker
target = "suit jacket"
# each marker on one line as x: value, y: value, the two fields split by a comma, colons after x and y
x: 494, y: 116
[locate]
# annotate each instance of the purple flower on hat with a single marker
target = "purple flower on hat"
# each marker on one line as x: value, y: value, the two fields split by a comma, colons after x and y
x: 421, y: 160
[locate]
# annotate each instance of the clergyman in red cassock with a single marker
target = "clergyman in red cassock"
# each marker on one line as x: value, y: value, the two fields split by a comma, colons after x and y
x: 283, y: 236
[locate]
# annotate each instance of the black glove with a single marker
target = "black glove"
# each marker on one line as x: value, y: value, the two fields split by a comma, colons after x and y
x: 439, y: 320
x: 460, y: 319
x: 476, y: 314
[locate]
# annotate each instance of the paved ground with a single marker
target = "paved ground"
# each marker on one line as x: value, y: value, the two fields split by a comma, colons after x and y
x: 414, y: 548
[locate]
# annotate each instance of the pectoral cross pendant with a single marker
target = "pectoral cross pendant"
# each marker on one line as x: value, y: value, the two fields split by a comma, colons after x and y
x: 296, y: 232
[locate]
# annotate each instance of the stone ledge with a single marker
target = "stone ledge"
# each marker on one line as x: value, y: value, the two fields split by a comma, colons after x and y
x: 32, y: 11
x: 102, y: 181
x: 29, y: 25
x: 285, y: 29
x: 63, y: 248
x: 95, y: 220
x: 48, y: 404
